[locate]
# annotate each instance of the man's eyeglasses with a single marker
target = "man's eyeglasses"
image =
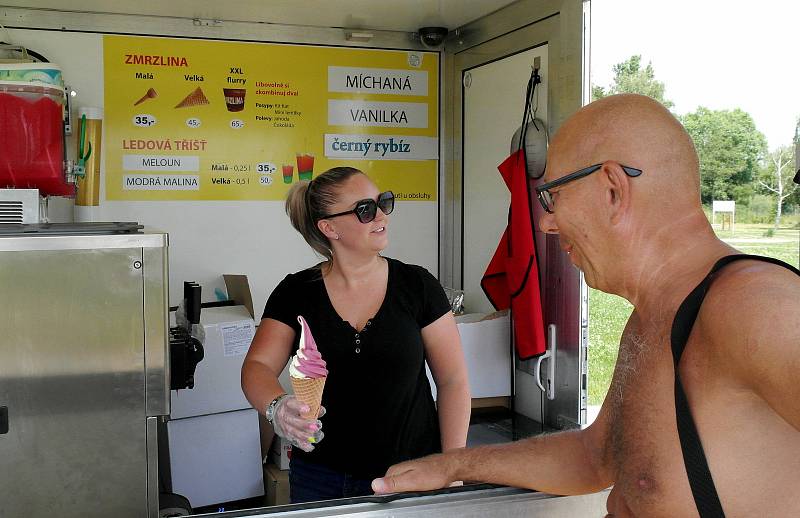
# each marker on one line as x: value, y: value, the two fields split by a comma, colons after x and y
x: 546, y: 197
x: 366, y: 210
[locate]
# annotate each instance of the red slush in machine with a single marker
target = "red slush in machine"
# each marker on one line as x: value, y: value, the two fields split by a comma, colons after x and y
x: 32, y: 128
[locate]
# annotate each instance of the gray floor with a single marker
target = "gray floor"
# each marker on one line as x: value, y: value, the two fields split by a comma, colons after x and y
x: 488, y: 429
x: 480, y: 434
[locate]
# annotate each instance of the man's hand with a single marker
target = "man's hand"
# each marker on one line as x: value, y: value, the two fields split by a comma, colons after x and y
x: 427, y: 473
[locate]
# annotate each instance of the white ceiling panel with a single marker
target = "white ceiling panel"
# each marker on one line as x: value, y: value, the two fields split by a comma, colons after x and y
x: 389, y: 15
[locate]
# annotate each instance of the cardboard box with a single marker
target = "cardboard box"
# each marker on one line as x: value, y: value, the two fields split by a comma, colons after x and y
x: 238, y: 288
x: 485, y: 340
x: 276, y: 484
x: 280, y: 453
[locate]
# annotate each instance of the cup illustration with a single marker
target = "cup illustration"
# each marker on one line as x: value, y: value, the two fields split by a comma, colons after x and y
x: 234, y: 98
x: 305, y: 166
x: 288, y: 173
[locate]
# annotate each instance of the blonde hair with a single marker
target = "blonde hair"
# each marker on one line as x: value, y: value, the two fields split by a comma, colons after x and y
x: 308, y: 202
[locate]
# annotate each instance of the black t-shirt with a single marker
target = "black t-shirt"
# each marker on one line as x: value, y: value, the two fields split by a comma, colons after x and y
x: 378, y: 400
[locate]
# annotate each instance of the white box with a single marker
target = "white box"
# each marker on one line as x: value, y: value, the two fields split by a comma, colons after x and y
x: 487, y: 351
x: 281, y: 453
x: 226, y: 333
x: 216, y: 458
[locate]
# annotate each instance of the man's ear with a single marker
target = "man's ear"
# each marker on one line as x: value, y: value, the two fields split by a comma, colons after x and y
x: 617, y: 190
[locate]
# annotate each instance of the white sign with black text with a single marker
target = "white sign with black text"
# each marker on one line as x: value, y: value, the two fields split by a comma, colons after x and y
x: 381, y: 147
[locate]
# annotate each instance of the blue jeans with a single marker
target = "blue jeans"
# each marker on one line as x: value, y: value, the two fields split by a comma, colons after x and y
x: 309, y: 482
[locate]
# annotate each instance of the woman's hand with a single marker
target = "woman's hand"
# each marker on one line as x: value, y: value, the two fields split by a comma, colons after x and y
x: 288, y: 423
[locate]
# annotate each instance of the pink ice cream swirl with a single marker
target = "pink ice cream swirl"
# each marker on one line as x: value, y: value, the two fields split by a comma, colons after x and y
x: 308, y: 362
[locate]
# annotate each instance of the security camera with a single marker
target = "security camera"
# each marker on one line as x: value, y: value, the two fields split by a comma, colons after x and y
x: 432, y: 37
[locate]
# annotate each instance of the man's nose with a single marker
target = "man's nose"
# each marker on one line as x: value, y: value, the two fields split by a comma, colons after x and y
x: 547, y: 224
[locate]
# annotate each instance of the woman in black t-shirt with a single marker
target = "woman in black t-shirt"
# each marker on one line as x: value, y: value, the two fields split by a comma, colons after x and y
x: 376, y: 322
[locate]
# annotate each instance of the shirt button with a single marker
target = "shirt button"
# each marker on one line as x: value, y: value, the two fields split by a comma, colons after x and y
x: 358, y: 342
x: 369, y: 322
x: 356, y: 335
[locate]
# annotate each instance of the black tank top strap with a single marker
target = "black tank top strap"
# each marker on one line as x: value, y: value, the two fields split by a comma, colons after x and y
x: 700, y: 479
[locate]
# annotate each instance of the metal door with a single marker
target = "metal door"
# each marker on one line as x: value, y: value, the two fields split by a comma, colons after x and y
x: 489, y: 74
x: 72, y: 379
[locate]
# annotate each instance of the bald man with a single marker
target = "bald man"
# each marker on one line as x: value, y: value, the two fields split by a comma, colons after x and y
x: 634, y: 225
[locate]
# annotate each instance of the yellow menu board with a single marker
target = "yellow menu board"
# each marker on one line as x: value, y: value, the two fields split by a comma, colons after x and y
x: 216, y: 120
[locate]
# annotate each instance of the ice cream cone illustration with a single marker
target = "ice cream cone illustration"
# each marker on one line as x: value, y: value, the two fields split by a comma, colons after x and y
x: 195, y: 98
x: 151, y: 94
x: 307, y: 372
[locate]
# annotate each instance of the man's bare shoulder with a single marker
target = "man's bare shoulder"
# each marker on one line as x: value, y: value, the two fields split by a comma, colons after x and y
x: 750, y: 322
x: 750, y: 296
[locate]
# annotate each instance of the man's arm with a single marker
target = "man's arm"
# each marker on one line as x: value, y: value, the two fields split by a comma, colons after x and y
x: 565, y: 463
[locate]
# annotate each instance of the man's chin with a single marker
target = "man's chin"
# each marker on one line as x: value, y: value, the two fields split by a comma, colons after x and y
x: 576, y: 263
x: 574, y: 260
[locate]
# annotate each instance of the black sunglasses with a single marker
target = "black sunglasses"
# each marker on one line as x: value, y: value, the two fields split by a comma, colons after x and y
x: 366, y: 210
x: 546, y: 197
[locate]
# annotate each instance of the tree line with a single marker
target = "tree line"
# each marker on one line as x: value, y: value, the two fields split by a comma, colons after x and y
x: 735, y: 160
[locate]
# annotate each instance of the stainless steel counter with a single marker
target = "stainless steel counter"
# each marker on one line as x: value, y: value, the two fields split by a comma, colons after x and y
x: 466, y: 502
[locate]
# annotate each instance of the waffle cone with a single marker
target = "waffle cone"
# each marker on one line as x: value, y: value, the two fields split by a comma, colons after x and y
x: 151, y: 94
x: 195, y: 98
x: 309, y: 391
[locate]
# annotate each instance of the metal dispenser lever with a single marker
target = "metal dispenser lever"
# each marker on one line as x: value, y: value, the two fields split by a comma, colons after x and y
x: 550, y: 356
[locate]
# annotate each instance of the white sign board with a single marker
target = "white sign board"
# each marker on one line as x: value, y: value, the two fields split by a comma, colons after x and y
x: 377, y: 81
x: 374, y: 113
x: 723, y: 206
x: 381, y: 147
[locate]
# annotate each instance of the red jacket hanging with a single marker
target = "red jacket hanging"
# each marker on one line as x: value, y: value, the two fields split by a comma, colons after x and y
x: 512, y: 277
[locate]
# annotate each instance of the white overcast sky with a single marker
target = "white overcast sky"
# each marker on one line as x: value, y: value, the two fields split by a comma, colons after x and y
x: 721, y: 55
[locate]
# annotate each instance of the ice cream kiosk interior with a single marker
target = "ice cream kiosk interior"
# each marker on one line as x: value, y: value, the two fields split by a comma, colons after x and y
x: 146, y: 152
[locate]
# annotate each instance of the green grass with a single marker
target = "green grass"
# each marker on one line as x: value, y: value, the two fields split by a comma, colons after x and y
x: 608, y: 313
x: 783, y: 244
x: 607, y: 317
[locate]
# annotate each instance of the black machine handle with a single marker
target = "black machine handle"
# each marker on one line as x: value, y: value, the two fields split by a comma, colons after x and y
x: 192, y: 294
x: 3, y: 420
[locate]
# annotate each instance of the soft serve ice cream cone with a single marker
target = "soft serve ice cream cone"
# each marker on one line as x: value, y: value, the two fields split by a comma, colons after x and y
x: 307, y: 371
